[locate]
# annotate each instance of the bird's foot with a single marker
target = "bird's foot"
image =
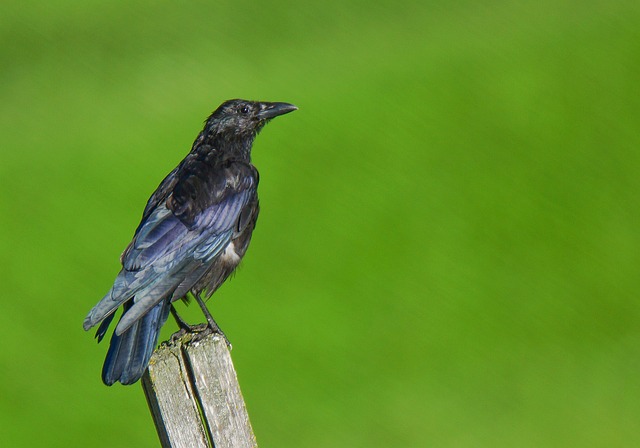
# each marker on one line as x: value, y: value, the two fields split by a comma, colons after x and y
x: 215, y: 328
x: 201, y: 331
x: 198, y: 331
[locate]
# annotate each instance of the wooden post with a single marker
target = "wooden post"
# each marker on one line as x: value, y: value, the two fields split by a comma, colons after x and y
x: 194, y: 396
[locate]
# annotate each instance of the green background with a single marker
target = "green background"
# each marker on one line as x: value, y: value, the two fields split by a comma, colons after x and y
x: 447, y: 253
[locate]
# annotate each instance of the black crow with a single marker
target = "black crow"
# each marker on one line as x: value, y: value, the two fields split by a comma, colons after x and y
x: 194, y: 231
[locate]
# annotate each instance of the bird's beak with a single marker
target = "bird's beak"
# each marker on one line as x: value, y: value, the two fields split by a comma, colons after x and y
x: 270, y: 110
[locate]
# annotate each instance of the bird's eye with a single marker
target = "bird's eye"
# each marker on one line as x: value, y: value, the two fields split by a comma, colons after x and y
x: 244, y: 110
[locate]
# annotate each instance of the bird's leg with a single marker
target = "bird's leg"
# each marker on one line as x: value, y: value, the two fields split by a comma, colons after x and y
x: 212, y: 323
x: 179, y: 320
x: 185, y: 328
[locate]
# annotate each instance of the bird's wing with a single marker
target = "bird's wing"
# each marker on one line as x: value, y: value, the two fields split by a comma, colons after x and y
x: 168, y: 183
x: 177, y: 240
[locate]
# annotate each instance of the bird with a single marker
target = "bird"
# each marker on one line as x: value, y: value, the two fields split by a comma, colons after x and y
x: 194, y: 231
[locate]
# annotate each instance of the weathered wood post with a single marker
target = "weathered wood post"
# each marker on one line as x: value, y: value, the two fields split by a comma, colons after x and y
x: 194, y: 396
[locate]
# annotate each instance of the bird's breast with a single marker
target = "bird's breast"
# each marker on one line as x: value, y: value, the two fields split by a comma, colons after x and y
x: 230, y: 256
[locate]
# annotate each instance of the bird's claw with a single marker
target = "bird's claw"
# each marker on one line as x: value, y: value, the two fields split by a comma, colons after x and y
x: 203, y: 330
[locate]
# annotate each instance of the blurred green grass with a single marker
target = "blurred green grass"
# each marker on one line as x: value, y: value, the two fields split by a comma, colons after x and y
x: 447, y: 249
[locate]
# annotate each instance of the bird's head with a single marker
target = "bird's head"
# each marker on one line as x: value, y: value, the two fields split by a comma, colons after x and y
x: 243, y: 119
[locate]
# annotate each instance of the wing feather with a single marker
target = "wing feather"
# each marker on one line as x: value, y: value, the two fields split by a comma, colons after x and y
x: 170, y: 251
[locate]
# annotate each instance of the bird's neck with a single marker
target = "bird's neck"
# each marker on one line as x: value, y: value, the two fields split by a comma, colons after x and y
x: 237, y: 147
x: 230, y: 146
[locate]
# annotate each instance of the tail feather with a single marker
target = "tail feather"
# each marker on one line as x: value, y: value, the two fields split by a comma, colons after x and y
x: 129, y: 353
x: 104, y: 326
